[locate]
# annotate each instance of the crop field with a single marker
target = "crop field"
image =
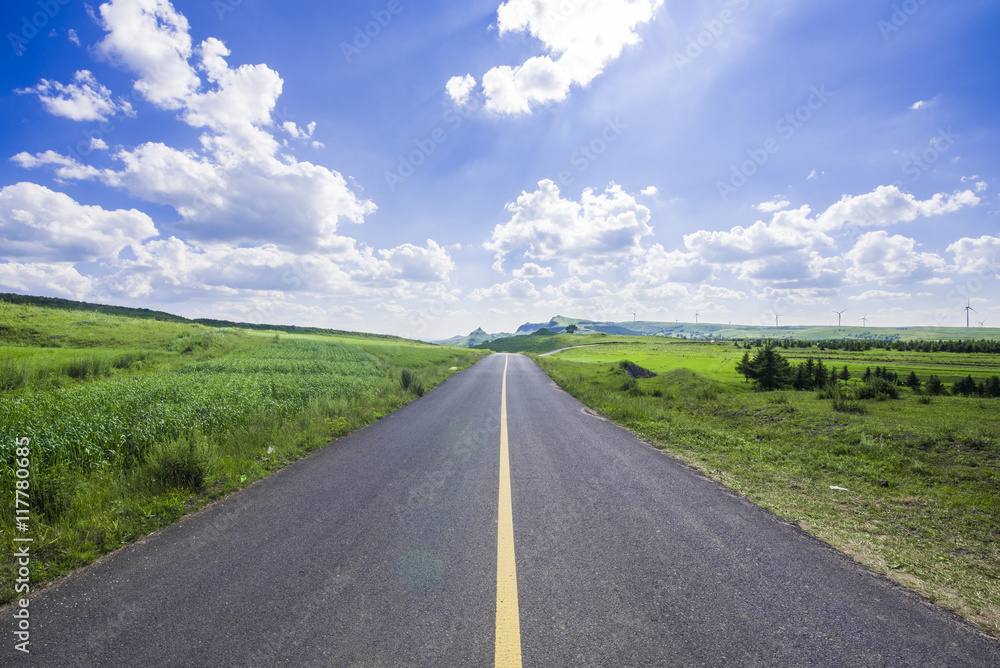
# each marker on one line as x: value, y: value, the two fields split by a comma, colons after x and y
x: 134, y: 422
x: 909, y: 486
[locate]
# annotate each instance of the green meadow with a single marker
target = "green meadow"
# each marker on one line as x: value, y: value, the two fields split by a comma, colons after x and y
x: 134, y: 422
x: 910, y: 486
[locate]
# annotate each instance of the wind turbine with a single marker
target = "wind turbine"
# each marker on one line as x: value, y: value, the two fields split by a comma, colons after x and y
x: 840, y: 313
x: 776, y: 316
x: 982, y: 323
x: 635, y: 315
x: 696, y: 318
x: 864, y: 320
x: 968, y: 307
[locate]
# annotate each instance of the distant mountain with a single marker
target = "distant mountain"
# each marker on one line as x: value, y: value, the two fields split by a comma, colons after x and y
x: 478, y: 337
x: 722, y: 332
x: 559, y: 324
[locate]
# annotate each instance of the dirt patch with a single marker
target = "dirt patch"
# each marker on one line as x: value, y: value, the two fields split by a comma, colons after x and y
x: 636, y: 371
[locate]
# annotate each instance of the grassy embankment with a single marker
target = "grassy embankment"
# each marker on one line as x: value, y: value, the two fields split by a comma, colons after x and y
x: 134, y: 422
x: 923, y: 479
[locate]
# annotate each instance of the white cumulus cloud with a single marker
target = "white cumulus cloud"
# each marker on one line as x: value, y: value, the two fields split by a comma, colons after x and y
x: 61, y: 279
x: 150, y: 38
x: 237, y: 187
x: 518, y: 289
x: 460, y: 88
x: 588, y: 234
x: 532, y: 270
x: 45, y: 226
x: 580, y: 38
x: 83, y: 100
x: 981, y: 255
x: 881, y: 295
x: 774, y: 205
x: 878, y: 257
x: 888, y: 205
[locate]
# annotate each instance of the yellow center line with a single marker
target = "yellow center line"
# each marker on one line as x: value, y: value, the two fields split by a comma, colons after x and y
x: 508, y: 637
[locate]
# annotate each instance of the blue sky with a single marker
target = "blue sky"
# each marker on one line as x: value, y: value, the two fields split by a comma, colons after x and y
x: 426, y: 168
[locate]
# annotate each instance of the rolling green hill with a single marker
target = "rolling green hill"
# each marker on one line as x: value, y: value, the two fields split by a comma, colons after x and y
x: 147, y: 314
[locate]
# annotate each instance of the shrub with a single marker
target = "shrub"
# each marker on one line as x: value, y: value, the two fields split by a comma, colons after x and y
x: 127, y: 360
x: 51, y: 494
x: 876, y: 388
x: 842, y: 405
x: 83, y: 368
x: 828, y: 392
x: 182, y: 463
x: 934, y: 385
x: 407, y: 378
x: 13, y: 374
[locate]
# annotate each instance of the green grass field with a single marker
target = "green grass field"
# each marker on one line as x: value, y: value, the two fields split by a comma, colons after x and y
x: 134, y: 422
x: 923, y: 479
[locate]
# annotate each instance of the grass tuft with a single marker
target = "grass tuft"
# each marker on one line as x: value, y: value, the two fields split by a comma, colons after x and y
x: 13, y: 374
x: 182, y: 463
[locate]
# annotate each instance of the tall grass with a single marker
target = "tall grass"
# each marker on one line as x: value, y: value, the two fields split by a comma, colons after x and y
x: 126, y: 440
x: 13, y: 374
x: 922, y: 476
x: 113, y: 422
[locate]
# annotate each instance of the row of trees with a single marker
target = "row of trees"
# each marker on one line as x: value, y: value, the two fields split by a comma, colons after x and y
x: 768, y: 370
x: 862, y: 345
x: 988, y: 389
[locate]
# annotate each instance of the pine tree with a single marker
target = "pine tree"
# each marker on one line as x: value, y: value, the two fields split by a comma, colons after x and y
x: 809, y: 374
x: 912, y: 381
x: 965, y: 387
x: 845, y: 374
x: 820, y: 376
x: 769, y: 370
x: 744, y: 366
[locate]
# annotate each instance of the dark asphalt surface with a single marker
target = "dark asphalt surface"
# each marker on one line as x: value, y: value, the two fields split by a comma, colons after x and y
x: 380, y: 550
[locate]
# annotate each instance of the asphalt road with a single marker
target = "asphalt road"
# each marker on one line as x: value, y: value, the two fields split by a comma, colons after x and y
x: 382, y: 550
